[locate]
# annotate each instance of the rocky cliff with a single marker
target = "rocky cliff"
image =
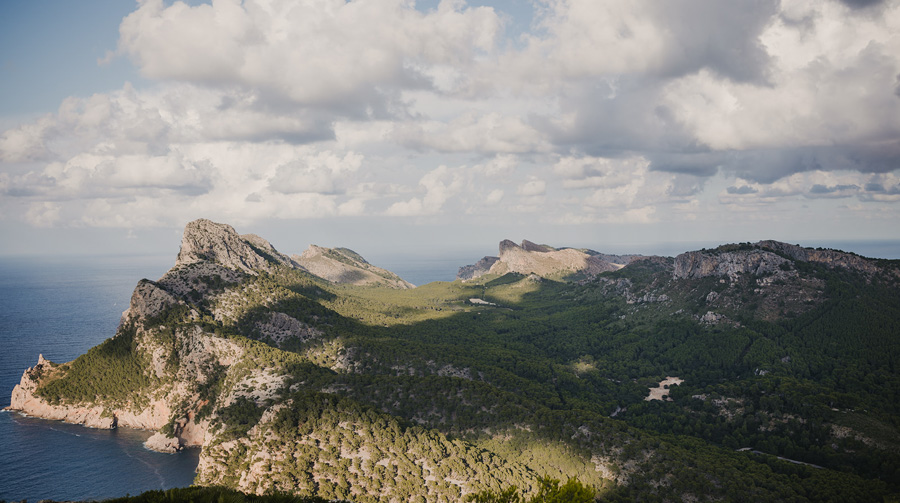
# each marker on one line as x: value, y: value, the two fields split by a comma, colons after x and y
x: 207, y: 241
x: 175, y: 358
x: 178, y: 363
x: 545, y: 261
x: 762, y: 259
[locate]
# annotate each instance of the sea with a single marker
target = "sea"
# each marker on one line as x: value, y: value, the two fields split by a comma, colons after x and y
x: 61, y: 306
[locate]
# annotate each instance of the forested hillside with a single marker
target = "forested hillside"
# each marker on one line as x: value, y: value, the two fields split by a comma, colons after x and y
x: 786, y: 362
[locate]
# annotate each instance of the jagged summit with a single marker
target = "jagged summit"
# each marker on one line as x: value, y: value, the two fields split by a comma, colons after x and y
x: 545, y: 261
x: 212, y: 244
x: 342, y: 265
x: 207, y: 241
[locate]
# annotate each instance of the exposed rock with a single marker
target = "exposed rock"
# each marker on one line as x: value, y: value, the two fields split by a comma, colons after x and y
x: 23, y: 399
x: 477, y: 269
x: 700, y: 264
x: 148, y: 300
x: 161, y: 443
x: 544, y: 261
x: 711, y: 318
x: 831, y: 258
x: 534, y: 247
x: 205, y: 240
x: 281, y: 327
x: 342, y: 265
x: 200, y: 277
x: 762, y: 258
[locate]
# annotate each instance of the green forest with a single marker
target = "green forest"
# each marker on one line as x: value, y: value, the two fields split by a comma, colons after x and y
x: 790, y: 393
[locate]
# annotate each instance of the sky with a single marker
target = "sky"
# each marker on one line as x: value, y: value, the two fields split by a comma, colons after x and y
x: 438, y: 126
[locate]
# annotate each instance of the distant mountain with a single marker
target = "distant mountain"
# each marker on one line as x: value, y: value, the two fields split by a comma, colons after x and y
x: 545, y: 261
x: 342, y: 265
x: 749, y: 372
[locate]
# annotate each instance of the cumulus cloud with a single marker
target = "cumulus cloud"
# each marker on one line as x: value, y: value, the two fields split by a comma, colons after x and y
x: 438, y: 186
x: 602, y: 111
x: 324, y: 173
x: 585, y: 38
x: 345, y: 55
x: 471, y: 132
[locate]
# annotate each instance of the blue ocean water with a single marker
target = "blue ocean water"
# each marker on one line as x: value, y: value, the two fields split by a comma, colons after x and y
x: 61, y: 307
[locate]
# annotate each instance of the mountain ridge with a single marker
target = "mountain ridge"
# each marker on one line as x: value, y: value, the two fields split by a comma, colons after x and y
x: 290, y: 381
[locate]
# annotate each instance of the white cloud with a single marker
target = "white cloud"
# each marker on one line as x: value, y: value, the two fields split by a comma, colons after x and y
x: 44, y: 214
x: 439, y: 186
x: 604, y: 111
x: 329, y: 52
x: 471, y: 132
x: 532, y: 188
x: 26, y: 142
x: 324, y: 173
x: 494, y: 197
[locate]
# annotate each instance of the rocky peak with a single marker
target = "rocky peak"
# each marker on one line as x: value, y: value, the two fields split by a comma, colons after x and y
x: 534, y: 247
x: 342, y: 265
x: 544, y: 261
x: 507, y: 245
x: 205, y: 240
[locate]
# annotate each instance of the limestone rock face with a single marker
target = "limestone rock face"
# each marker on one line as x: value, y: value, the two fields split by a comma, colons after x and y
x: 148, y: 300
x: 761, y: 259
x: 24, y: 400
x: 700, y: 264
x: 204, y: 240
x: 544, y: 261
x: 281, y: 327
x: 477, y: 269
x: 161, y: 443
x: 342, y: 265
x: 831, y: 258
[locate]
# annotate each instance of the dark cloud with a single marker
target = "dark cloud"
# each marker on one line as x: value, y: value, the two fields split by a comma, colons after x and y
x: 721, y: 36
x: 742, y: 190
x: 819, y: 189
x: 704, y: 164
x: 686, y: 186
x: 874, y: 187
x: 616, y: 121
x: 861, y: 4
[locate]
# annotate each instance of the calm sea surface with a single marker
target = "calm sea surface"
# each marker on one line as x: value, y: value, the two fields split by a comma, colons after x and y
x: 61, y: 307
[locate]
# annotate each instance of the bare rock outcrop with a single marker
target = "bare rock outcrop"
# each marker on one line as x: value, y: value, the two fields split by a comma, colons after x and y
x: 24, y: 399
x: 830, y: 258
x: 700, y: 264
x: 204, y: 240
x: 162, y: 443
x: 281, y: 327
x: 342, y: 265
x: 148, y: 300
x: 477, y: 269
x: 544, y: 261
x: 762, y: 259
